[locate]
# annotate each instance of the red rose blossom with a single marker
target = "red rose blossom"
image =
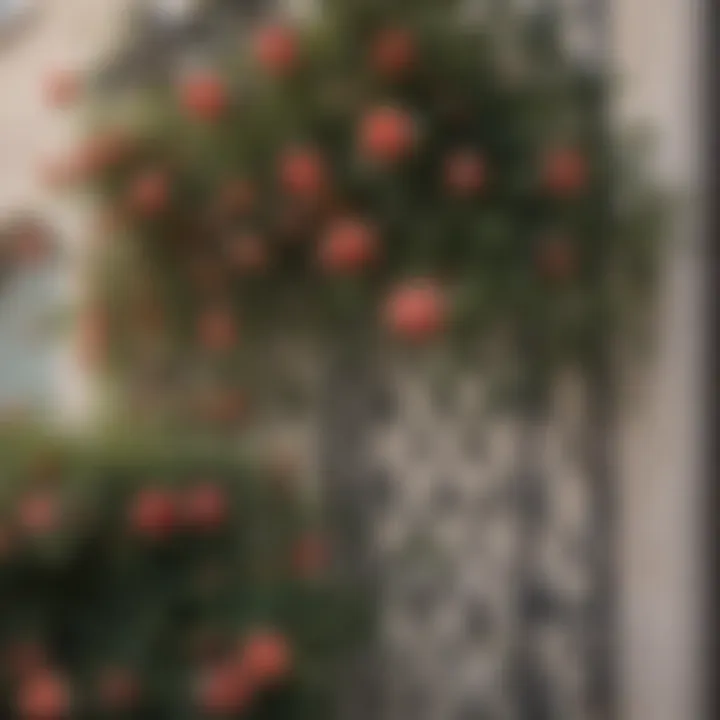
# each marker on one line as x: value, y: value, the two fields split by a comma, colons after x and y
x: 387, y: 135
x: 417, y: 310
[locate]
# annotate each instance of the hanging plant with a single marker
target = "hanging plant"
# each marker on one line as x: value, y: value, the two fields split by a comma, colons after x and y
x: 381, y: 168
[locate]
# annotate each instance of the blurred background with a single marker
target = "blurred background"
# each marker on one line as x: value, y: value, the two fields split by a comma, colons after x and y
x: 653, y: 48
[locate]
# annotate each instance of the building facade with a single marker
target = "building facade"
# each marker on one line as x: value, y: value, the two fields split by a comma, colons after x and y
x: 654, y: 46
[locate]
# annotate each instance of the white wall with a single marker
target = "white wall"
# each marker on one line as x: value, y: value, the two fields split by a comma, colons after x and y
x: 657, y: 47
x: 60, y: 34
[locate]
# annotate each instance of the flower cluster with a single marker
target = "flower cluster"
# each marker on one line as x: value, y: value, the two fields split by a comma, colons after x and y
x: 206, y: 591
x: 392, y: 175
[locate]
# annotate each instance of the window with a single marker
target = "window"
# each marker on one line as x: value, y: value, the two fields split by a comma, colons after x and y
x: 28, y: 295
x: 172, y: 11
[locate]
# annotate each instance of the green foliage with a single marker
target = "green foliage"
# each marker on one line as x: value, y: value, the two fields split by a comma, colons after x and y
x: 92, y: 587
x: 506, y: 91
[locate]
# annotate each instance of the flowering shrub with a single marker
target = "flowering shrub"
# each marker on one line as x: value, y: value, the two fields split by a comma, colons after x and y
x: 150, y: 582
